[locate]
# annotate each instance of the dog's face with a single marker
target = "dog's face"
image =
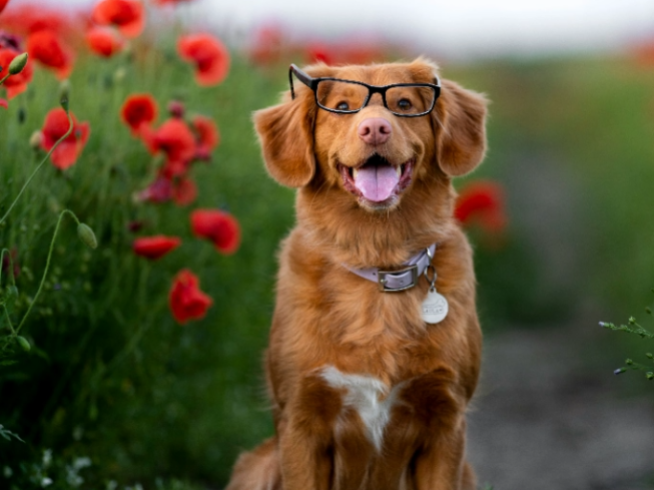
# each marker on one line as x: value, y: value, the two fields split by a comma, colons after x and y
x: 373, y: 157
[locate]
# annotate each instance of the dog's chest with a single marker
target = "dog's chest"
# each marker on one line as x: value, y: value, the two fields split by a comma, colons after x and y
x: 369, y: 397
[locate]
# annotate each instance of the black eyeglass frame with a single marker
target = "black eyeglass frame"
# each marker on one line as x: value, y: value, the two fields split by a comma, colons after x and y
x: 312, y: 83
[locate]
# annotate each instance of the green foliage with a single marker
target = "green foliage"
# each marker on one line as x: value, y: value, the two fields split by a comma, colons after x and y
x: 109, y: 374
x: 7, y: 434
x: 634, y: 328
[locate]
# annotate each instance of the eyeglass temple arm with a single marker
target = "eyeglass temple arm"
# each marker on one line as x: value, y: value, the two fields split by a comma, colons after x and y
x: 301, y: 76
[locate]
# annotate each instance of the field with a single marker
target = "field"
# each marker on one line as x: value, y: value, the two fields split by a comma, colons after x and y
x: 112, y: 376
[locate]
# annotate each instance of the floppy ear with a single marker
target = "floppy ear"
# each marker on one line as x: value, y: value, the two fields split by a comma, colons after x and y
x: 286, y: 135
x: 460, y: 119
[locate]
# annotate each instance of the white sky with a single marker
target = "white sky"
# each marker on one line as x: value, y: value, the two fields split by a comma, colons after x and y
x: 451, y: 27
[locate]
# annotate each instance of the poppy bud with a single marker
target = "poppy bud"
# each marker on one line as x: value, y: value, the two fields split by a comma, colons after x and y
x: 85, y: 233
x: 17, y: 64
x: 35, y: 140
x: 64, y: 93
x: 24, y: 343
x: 650, y: 375
x: 628, y: 362
x: 632, y: 320
x: 176, y: 109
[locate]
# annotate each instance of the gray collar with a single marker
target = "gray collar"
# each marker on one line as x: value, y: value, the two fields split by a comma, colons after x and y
x: 399, y: 280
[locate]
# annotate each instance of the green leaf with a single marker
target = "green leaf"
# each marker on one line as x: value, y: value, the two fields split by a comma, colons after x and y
x: 11, y: 296
x: 7, y: 434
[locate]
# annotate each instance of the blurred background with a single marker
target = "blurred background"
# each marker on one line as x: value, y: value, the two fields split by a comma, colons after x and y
x: 115, y: 393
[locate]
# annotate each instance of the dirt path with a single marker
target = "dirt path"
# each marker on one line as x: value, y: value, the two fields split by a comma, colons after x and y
x: 544, y: 420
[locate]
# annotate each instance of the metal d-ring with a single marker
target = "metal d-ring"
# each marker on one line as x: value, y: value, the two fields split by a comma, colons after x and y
x: 432, y: 281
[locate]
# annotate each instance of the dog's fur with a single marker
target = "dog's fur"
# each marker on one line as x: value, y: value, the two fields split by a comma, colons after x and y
x: 365, y: 394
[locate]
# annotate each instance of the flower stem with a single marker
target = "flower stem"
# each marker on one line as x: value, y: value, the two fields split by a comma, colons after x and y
x: 36, y: 170
x: 47, y: 265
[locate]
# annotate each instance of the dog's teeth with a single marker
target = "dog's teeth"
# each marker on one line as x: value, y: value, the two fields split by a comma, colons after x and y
x: 354, y: 173
x: 398, y: 170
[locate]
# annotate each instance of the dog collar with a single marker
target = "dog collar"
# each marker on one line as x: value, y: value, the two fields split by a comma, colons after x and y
x: 399, y: 280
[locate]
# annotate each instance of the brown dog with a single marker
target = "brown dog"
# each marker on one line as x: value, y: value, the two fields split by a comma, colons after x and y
x: 371, y: 364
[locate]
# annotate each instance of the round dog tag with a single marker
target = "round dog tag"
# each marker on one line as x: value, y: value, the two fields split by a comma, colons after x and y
x: 434, y: 307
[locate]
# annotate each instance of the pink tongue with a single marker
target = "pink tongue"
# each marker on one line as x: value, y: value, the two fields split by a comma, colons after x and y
x: 376, y: 183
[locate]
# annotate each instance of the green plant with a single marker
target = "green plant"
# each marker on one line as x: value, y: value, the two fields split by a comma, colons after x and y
x: 634, y: 328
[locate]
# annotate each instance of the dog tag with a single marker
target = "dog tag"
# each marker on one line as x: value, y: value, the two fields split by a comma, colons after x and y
x: 434, y: 307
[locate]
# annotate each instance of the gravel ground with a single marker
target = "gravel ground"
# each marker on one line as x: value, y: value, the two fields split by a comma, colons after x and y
x: 545, y: 418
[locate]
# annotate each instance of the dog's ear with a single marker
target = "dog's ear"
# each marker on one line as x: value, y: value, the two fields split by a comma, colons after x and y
x: 460, y: 120
x: 286, y: 135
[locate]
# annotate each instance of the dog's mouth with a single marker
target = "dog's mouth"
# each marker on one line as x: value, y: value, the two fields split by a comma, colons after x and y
x: 377, y: 180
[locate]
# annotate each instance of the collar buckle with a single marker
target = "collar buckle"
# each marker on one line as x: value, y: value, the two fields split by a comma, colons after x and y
x: 400, y: 280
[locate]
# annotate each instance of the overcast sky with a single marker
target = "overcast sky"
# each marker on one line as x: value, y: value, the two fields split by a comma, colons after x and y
x: 454, y: 27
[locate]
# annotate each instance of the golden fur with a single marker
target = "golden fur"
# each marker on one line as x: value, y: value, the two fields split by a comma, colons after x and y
x: 327, y: 316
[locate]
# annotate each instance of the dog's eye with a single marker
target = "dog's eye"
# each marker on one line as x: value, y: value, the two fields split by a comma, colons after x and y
x: 404, y: 104
x: 342, y: 106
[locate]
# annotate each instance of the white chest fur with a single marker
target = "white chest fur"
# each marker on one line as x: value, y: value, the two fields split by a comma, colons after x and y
x: 369, y: 396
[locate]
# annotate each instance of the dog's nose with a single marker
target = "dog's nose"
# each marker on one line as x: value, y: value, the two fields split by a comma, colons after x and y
x: 375, y: 130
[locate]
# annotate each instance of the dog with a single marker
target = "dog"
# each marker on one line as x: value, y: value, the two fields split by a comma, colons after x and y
x: 375, y: 344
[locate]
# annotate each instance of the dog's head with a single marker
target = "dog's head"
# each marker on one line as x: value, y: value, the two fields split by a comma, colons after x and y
x: 373, y: 155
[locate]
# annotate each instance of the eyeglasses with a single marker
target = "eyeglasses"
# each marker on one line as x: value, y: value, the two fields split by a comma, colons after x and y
x: 349, y: 96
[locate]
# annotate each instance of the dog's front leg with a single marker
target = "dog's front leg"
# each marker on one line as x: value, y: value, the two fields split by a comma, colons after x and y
x: 307, y: 436
x: 441, y: 463
x: 439, y: 408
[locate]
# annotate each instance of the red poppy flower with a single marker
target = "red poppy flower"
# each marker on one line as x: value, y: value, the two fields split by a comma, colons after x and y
x: 175, y: 168
x: 15, y: 84
x: 266, y: 47
x: 207, y: 136
x: 10, y: 41
x: 135, y: 226
x: 54, y: 127
x: 187, y: 301
x: 319, y: 52
x: 139, y: 110
x: 360, y: 52
x: 29, y: 18
x: 169, y: 2
x: 127, y: 15
x: 104, y: 41
x: 185, y: 191
x: 219, y: 227
x: 209, y: 55
x: 160, y: 190
x: 154, y: 247
x: 176, y: 140
x: 3, y: 4
x: 4, y: 103
x: 7, y: 262
x: 481, y: 202
x: 47, y: 47
x: 176, y: 109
